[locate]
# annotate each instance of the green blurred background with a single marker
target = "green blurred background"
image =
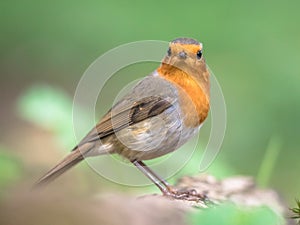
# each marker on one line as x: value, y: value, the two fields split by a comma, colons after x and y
x: 251, y: 46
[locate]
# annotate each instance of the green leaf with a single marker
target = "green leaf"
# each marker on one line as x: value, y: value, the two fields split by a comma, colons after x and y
x: 45, y: 106
x: 49, y: 108
x: 269, y: 161
x: 229, y: 214
x: 296, y: 211
x: 10, y: 169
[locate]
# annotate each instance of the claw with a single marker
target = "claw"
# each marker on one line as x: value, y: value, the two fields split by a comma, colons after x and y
x: 188, y: 195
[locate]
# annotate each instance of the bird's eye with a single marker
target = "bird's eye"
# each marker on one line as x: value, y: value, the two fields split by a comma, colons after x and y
x: 169, y: 52
x: 199, y: 54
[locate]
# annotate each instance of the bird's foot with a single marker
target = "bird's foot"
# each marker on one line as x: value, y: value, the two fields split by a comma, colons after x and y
x: 187, y: 195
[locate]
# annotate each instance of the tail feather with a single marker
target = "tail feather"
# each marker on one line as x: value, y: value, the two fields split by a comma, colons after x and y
x: 68, y: 162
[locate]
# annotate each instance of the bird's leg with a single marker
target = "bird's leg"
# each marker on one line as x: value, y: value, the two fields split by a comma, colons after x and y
x: 165, y: 188
x: 158, y: 181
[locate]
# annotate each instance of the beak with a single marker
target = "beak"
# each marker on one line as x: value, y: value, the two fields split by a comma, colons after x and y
x: 182, y: 55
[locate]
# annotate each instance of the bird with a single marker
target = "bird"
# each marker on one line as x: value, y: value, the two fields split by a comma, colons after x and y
x: 157, y: 116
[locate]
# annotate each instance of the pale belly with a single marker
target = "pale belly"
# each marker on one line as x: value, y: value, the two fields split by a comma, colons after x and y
x: 154, y: 137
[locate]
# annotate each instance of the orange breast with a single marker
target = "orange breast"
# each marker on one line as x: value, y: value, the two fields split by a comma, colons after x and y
x: 193, y: 100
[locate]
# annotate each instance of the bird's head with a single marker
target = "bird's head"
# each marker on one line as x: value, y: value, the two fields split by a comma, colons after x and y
x: 184, y: 57
x: 185, y: 53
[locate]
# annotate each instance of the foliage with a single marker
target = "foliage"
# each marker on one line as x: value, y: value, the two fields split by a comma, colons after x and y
x: 296, y: 211
x: 49, y: 108
x: 10, y: 168
x: 229, y: 214
x: 269, y: 161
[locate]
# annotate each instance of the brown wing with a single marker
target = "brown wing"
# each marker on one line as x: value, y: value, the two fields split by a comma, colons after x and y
x: 117, y: 119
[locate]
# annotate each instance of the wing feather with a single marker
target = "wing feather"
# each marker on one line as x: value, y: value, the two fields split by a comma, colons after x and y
x: 117, y: 119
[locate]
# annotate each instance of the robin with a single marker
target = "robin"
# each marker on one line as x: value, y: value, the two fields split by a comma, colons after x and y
x: 160, y: 113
